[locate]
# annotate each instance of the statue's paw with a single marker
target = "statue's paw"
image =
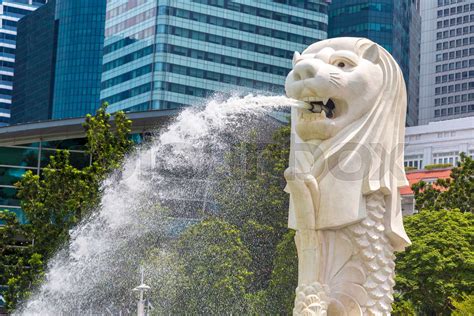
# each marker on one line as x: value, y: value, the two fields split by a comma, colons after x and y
x: 308, y: 178
x: 311, y: 300
x: 292, y: 174
x: 304, y: 192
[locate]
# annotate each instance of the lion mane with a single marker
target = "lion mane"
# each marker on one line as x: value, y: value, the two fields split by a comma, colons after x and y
x: 371, y: 147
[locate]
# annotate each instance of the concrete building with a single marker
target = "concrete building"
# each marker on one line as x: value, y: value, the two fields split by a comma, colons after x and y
x: 395, y: 25
x: 10, y: 12
x: 172, y: 53
x: 59, y: 64
x: 439, y: 142
x: 447, y: 60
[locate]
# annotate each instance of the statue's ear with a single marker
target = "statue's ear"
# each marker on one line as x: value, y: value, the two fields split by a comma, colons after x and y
x: 296, y: 58
x: 371, y: 53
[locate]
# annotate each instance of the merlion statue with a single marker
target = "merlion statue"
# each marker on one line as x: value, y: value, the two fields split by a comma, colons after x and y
x: 346, y: 168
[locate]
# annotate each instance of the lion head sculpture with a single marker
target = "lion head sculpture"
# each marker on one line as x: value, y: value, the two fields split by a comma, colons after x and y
x: 349, y: 134
x: 340, y: 81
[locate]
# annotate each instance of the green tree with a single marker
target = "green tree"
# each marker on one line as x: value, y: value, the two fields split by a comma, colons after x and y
x: 58, y: 199
x: 251, y: 197
x: 26, y: 277
x: 465, y: 306
x: 455, y: 192
x: 439, y: 265
x: 107, y: 141
x: 63, y: 194
x: 15, y: 253
x: 215, y: 264
x: 280, y: 294
x: 224, y: 264
x: 402, y: 307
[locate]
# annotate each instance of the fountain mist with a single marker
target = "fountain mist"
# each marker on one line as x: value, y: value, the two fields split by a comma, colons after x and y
x: 160, y: 190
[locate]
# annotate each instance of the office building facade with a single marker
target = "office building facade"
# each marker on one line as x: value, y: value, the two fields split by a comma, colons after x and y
x: 439, y: 142
x: 10, y: 12
x: 78, y: 70
x: 395, y: 25
x: 174, y: 53
x: 34, y: 67
x: 447, y: 60
x: 59, y: 61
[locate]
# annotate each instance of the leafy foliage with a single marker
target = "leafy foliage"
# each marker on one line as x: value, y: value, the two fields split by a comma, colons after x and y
x: 107, y: 142
x: 15, y: 253
x: 280, y: 295
x: 252, y: 198
x: 438, y: 166
x: 439, y: 265
x: 465, y: 306
x: 402, y: 307
x: 215, y: 263
x: 456, y: 192
x: 225, y: 264
x: 56, y: 200
x: 437, y: 270
x: 26, y: 276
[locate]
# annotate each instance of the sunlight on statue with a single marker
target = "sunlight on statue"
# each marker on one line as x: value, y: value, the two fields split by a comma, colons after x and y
x: 346, y: 168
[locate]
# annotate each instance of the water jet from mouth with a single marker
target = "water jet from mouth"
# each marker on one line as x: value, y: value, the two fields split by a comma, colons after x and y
x: 96, y: 271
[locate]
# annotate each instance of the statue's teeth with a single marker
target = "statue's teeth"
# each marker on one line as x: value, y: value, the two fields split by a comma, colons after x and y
x: 317, y: 108
x: 325, y: 101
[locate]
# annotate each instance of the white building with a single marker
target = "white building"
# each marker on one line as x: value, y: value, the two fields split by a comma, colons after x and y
x: 439, y: 142
x: 446, y: 60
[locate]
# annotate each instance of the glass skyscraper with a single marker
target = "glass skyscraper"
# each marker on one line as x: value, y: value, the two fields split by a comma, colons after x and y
x: 171, y: 53
x: 393, y: 24
x: 59, y: 61
x: 10, y: 12
x: 34, y: 66
x: 78, y: 57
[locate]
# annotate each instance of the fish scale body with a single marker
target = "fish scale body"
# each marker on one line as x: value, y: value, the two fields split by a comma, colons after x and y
x: 375, y: 253
x: 370, y: 257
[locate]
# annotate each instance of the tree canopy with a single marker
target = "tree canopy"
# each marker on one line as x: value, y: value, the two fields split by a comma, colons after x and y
x: 55, y: 201
x: 454, y: 192
x: 215, y: 265
x: 437, y: 270
x: 439, y: 265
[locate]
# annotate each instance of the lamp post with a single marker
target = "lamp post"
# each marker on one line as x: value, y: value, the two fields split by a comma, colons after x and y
x: 142, y: 288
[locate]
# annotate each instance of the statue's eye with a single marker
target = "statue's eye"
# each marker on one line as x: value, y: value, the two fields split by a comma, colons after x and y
x: 341, y: 65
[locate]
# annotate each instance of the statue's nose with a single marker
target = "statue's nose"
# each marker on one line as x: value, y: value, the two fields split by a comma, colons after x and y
x: 304, y: 70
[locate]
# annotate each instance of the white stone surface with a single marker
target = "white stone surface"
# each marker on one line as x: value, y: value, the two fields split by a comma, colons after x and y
x: 346, y: 168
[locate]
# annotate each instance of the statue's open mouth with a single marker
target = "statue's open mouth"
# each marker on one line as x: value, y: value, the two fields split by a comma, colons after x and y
x: 319, y: 106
